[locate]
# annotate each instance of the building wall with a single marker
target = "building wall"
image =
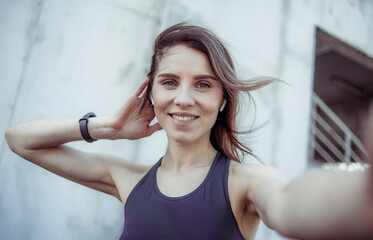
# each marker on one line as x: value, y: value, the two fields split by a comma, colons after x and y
x: 65, y: 58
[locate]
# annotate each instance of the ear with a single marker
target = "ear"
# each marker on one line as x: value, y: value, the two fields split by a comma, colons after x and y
x: 223, y: 105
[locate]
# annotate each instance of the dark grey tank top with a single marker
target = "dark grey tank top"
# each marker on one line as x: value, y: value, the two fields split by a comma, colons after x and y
x: 205, y: 213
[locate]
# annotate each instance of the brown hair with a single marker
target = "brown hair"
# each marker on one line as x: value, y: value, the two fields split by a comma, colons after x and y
x: 224, y: 134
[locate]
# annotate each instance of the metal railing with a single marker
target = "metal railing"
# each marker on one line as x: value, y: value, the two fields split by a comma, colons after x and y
x: 331, y: 139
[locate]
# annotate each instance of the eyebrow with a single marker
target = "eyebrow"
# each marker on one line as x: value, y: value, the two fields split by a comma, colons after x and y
x: 197, y: 77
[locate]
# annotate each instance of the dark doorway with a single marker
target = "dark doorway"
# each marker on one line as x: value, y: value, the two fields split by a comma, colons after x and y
x: 343, y: 81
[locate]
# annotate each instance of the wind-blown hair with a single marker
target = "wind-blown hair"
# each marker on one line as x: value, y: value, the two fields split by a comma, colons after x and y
x: 224, y: 134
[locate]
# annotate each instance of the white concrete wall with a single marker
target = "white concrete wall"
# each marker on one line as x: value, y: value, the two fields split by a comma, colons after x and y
x: 63, y: 58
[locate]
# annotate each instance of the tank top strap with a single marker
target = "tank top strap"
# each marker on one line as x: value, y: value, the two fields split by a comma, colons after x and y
x: 218, y: 196
x: 218, y: 175
x: 145, y: 185
x: 219, y: 166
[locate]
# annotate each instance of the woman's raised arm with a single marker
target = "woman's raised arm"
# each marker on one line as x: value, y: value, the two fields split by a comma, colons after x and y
x: 318, y: 204
x: 41, y: 142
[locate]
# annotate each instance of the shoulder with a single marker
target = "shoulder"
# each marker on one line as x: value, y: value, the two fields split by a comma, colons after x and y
x: 243, y: 181
x: 125, y: 174
x: 248, y: 177
x: 117, y: 165
x: 253, y: 171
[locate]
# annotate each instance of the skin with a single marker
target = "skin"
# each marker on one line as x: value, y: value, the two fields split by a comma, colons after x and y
x: 187, y: 98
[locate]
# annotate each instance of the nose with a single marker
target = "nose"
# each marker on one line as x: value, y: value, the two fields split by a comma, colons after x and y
x: 184, y: 97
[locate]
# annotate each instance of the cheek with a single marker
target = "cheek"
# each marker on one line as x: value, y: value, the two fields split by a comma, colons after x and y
x: 159, y: 114
x: 160, y: 102
x: 213, y: 103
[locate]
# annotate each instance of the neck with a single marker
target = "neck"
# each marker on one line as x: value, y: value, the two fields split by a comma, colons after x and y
x: 181, y: 156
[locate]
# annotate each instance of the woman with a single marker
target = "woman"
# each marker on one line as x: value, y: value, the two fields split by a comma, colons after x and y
x: 199, y: 189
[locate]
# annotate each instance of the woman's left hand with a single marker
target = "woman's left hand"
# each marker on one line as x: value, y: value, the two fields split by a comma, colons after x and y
x: 133, y: 119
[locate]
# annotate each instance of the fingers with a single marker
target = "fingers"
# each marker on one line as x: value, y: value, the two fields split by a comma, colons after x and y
x: 143, y: 94
x: 153, y: 128
x: 141, y: 90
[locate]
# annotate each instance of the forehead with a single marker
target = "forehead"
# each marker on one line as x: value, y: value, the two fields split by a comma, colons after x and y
x: 185, y: 59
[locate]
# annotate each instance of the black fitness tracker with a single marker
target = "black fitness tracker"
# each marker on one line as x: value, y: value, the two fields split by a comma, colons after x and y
x: 83, y: 122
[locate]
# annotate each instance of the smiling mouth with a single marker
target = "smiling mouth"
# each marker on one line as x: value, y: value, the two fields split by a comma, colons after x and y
x: 183, y: 118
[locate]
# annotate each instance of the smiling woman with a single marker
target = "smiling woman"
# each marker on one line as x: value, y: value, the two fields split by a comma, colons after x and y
x: 214, y: 63
x: 186, y: 96
x: 198, y: 189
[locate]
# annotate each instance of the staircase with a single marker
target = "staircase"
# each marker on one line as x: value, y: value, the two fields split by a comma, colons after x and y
x: 331, y: 140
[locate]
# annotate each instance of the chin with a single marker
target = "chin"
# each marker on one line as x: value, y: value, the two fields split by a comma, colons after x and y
x: 183, y: 139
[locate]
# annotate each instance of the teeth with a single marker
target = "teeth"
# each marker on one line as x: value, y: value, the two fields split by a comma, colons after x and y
x: 183, y: 118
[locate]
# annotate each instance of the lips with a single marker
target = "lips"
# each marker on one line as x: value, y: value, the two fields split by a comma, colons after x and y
x: 183, y: 117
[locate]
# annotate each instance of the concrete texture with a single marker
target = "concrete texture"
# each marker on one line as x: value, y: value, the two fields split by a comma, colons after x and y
x: 65, y: 58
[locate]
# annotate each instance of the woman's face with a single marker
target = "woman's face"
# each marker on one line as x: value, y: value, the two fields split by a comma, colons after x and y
x: 187, y: 96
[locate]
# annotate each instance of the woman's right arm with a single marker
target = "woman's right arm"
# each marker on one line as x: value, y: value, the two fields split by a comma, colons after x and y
x: 42, y: 142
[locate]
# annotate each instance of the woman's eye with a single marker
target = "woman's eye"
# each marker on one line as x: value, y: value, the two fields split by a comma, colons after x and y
x: 203, y: 85
x: 169, y: 83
